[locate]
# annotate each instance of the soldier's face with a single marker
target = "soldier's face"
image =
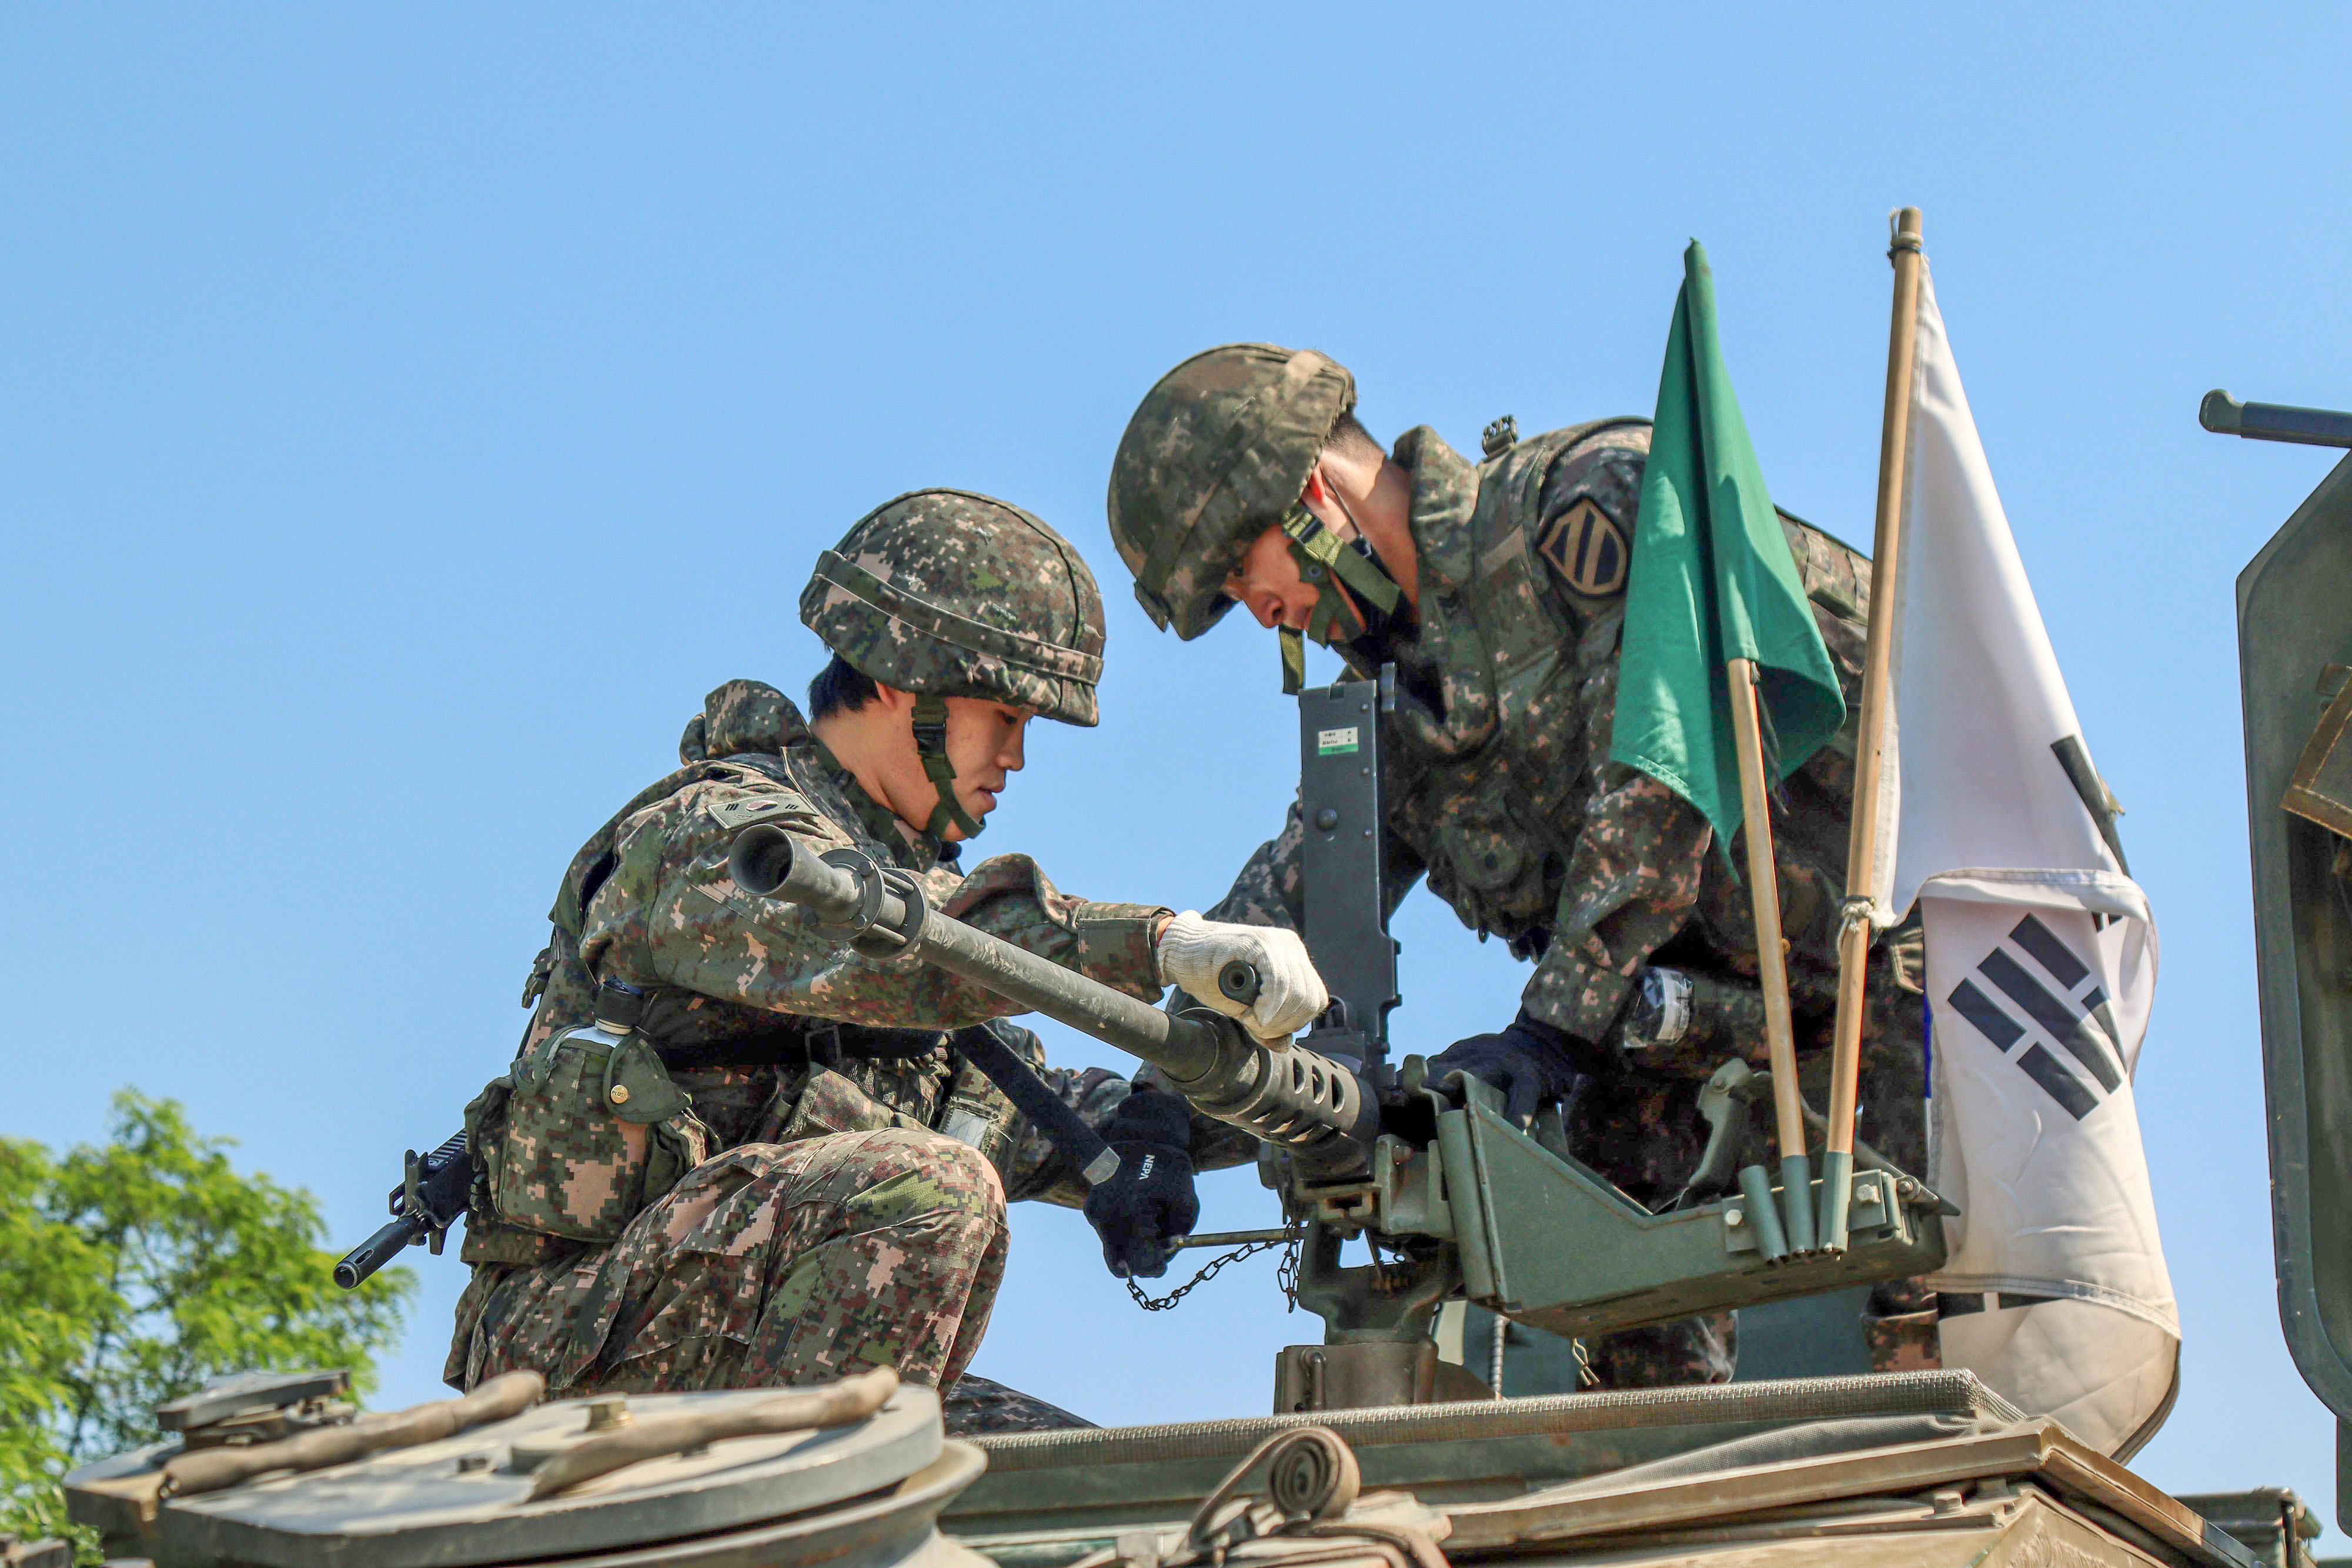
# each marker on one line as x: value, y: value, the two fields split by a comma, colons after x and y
x: 1266, y: 583
x: 986, y: 742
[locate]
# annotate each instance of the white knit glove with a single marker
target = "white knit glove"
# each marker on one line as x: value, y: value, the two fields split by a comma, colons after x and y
x: 1290, y: 993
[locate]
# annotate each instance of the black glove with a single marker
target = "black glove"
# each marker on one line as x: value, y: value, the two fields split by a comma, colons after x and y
x: 1530, y: 1061
x: 1150, y: 1201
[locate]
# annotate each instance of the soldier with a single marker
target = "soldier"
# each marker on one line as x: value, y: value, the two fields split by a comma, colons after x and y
x: 1497, y: 591
x: 786, y: 1170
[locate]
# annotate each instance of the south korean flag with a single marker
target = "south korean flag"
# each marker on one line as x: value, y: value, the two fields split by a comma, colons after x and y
x: 2056, y: 1292
x: 2042, y: 960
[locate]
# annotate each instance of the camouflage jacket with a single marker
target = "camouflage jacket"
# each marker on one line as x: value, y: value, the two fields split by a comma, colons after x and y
x: 1496, y: 773
x: 648, y: 901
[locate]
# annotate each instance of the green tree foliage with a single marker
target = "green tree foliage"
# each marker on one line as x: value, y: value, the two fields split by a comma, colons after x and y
x: 133, y: 1272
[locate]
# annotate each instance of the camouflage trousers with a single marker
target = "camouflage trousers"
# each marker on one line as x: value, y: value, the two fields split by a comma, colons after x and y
x: 1641, y: 1130
x: 769, y: 1264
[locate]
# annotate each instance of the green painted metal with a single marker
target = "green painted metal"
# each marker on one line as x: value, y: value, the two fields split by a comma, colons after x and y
x: 2293, y: 622
x: 1559, y: 1248
x: 1837, y: 1182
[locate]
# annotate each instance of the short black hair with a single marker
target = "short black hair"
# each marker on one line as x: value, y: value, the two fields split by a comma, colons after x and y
x: 839, y: 689
x: 1349, y: 436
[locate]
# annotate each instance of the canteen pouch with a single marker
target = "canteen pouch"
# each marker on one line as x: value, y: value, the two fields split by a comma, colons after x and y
x: 594, y: 1131
x: 487, y: 1240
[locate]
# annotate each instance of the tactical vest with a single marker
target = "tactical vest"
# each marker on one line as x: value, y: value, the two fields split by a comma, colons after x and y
x: 560, y: 1158
x: 1490, y: 768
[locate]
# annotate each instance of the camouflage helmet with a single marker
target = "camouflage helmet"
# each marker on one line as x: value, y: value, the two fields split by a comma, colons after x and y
x: 1216, y: 454
x: 946, y: 593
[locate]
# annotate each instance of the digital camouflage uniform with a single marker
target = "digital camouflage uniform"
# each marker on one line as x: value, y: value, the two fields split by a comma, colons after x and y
x: 795, y: 1177
x: 1499, y: 789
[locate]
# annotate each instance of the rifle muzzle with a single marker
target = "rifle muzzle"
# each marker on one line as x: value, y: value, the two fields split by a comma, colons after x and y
x: 374, y: 1253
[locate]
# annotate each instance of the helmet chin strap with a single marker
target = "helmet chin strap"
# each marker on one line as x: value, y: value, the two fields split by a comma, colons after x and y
x: 1328, y: 561
x: 931, y: 745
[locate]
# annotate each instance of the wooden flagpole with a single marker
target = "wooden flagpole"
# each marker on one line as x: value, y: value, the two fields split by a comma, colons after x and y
x: 1861, y: 845
x: 1771, y: 960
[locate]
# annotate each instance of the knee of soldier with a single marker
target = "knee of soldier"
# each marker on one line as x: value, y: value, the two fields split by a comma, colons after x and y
x: 911, y: 1173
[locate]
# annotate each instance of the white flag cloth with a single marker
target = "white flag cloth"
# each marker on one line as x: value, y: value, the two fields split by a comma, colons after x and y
x: 2041, y: 960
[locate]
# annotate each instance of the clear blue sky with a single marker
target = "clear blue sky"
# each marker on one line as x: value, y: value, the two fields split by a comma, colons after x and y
x: 407, y: 414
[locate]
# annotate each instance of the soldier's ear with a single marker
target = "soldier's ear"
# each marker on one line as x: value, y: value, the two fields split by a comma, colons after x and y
x: 891, y: 698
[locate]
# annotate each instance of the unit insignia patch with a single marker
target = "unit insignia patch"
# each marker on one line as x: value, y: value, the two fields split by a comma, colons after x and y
x: 1586, y: 549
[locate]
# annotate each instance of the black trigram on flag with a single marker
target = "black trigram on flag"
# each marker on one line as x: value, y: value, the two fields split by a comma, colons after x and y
x: 2083, y: 1025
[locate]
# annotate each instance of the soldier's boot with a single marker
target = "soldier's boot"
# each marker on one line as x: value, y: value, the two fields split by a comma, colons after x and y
x: 976, y: 1406
x: 1899, y: 1326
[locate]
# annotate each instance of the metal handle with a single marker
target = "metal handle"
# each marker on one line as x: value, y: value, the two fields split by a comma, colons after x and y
x: 1237, y: 1237
x: 212, y: 1469
x: 842, y: 1403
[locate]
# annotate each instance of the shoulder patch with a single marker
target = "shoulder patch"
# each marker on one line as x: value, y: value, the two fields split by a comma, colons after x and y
x: 1587, y: 550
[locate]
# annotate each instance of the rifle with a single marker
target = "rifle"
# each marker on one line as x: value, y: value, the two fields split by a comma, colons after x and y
x: 430, y: 1199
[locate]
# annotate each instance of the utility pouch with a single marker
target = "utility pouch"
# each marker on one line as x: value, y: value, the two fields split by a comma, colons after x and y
x: 487, y: 1241
x: 980, y: 1113
x: 830, y: 1104
x: 594, y: 1131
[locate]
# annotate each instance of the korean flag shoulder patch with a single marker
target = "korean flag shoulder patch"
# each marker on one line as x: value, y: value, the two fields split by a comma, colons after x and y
x: 1587, y: 550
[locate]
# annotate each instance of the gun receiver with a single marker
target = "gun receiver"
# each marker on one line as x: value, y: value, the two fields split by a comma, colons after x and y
x: 1341, y: 842
x: 1316, y: 1108
x: 429, y: 1199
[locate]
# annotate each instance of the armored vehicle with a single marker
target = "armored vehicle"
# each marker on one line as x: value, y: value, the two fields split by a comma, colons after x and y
x: 1438, y: 1419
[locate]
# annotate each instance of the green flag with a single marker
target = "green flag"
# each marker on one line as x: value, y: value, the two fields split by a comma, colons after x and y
x: 1712, y: 580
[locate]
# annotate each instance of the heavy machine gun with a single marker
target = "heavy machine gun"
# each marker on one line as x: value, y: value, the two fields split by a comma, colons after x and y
x: 1454, y: 1200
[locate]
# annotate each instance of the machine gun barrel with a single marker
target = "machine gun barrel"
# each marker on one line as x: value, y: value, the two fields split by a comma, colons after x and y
x: 1296, y: 1098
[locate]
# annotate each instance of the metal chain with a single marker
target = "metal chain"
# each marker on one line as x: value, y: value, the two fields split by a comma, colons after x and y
x: 1162, y: 1304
